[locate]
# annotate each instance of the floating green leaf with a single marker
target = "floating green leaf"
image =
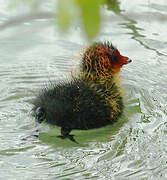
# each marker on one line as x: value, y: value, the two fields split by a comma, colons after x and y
x: 65, y: 13
x: 90, y: 12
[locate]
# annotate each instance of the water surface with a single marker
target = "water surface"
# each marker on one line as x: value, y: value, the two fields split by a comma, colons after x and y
x: 135, y: 147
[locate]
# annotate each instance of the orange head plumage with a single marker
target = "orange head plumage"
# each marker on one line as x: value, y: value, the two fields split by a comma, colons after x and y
x: 101, y: 58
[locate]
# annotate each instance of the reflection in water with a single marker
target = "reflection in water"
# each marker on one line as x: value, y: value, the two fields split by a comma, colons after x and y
x: 137, y: 35
x: 84, y: 137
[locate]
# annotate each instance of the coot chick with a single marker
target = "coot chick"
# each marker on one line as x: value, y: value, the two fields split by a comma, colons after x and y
x: 91, y: 99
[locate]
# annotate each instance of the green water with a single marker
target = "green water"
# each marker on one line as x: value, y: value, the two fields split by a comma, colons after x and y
x: 135, y: 147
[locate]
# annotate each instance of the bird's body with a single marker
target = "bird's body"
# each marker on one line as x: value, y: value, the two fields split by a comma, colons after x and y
x: 91, y: 99
x: 80, y: 104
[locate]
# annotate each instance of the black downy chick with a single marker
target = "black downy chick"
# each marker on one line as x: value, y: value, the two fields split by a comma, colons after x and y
x: 91, y: 99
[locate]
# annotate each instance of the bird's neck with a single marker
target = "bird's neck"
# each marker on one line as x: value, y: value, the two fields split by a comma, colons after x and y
x: 102, y: 76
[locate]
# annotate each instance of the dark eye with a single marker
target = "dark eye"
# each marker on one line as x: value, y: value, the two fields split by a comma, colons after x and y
x: 114, y: 58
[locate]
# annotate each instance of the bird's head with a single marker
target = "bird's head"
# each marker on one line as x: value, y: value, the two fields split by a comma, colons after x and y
x: 101, y: 58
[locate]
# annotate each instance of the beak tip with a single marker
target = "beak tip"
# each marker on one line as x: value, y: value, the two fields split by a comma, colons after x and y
x: 129, y: 61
